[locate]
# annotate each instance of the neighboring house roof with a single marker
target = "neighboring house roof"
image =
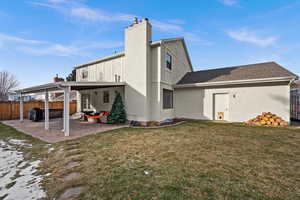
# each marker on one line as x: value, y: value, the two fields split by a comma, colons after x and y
x: 268, y: 70
x: 153, y: 44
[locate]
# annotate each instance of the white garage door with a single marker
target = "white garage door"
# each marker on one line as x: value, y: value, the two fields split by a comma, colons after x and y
x: 221, y: 107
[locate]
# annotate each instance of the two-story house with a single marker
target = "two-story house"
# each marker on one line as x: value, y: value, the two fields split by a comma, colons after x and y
x: 160, y: 83
x: 157, y: 82
x: 149, y: 69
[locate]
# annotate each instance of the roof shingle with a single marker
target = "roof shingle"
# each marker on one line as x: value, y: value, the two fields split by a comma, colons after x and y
x: 244, y: 72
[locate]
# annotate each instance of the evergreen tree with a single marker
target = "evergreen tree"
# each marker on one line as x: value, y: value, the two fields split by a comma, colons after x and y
x: 72, y: 76
x: 118, y: 113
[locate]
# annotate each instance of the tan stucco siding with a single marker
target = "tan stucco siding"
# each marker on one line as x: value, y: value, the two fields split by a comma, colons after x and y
x: 103, y: 71
x: 96, y: 98
x: 180, y: 64
x: 245, y: 102
x: 163, y: 78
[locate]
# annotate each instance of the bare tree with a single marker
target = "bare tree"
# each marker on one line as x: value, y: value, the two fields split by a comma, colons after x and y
x: 7, y: 82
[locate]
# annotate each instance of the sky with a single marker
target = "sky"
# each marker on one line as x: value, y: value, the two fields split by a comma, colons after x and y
x: 42, y: 38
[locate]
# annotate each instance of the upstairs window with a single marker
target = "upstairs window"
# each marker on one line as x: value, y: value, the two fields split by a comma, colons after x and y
x: 168, y: 61
x: 105, y: 96
x: 117, y: 78
x: 167, y: 99
x: 84, y: 74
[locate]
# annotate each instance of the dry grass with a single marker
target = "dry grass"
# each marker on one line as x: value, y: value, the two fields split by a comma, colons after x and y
x: 195, y: 160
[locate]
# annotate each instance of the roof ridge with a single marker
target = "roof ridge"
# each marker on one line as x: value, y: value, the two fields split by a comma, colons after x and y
x: 238, y: 66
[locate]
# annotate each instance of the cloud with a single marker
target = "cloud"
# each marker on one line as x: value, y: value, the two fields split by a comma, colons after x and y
x: 37, y: 47
x: 9, y: 38
x: 163, y: 26
x: 53, y: 49
x: 195, y: 39
x: 246, y: 35
x: 80, y: 12
x: 229, y: 2
x: 177, y: 21
x: 90, y: 14
x: 67, y: 50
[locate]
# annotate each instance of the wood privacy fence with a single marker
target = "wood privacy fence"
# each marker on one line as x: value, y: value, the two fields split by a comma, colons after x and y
x: 11, y: 110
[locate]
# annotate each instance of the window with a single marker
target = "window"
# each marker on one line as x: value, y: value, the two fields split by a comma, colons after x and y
x: 117, y: 78
x: 85, y: 102
x: 169, y: 61
x: 167, y: 99
x: 84, y: 74
x: 105, y: 96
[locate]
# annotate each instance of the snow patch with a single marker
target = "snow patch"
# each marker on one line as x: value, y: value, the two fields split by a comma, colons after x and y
x: 20, y: 143
x: 18, y: 177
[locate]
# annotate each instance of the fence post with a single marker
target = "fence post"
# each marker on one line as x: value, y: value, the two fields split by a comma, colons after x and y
x: 21, y: 108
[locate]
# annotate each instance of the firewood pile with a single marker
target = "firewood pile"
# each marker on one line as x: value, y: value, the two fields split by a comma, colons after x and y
x: 267, y: 119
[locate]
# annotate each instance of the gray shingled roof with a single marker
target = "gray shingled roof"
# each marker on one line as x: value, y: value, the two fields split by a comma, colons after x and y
x: 245, y: 72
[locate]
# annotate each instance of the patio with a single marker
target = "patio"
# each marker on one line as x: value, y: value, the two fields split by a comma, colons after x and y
x: 55, y: 134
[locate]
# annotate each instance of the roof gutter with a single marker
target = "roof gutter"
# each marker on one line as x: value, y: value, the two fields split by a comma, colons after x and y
x: 248, y: 81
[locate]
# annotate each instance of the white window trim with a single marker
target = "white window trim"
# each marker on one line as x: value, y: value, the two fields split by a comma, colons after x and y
x: 109, y: 100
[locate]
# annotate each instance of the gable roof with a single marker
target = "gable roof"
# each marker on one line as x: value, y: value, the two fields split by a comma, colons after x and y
x: 297, y: 84
x: 266, y: 70
x: 153, y: 44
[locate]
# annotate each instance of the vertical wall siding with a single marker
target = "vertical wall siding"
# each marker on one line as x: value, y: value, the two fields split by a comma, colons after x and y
x: 103, y: 71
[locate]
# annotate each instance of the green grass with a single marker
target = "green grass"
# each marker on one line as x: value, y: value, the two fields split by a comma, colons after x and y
x: 194, y: 160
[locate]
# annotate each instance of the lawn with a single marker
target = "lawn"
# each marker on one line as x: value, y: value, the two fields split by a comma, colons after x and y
x: 194, y: 160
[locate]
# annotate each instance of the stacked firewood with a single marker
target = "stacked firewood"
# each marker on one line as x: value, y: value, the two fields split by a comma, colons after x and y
x: 267, y: 119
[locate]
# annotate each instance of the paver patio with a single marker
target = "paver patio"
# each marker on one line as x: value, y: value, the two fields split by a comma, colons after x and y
x: 55, y: 134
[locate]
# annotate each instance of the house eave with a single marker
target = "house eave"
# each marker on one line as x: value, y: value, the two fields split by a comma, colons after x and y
x: 75, y: 85
x: 237, y: 82
x: 117, y: 55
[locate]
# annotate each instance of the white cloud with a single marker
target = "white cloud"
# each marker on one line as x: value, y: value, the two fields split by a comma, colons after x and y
x: 8, y: 38
x: 168, y: 27
x: 53, y: 49
x: 80, y: 12
x: 246, y: 35
x: 177, y: 21
x: 68, y: 50
x: 37, y: 47
x: 229, y: 2
x: 195, y: 39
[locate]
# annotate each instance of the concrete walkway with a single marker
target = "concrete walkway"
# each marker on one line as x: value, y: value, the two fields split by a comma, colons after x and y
x: 55, y: 134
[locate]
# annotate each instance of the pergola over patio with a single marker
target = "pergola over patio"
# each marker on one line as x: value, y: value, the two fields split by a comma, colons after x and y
x: 66, y: 87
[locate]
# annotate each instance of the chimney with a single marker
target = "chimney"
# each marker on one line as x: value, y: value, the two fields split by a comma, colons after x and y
x: 138, y: 68
x: 58, y: 79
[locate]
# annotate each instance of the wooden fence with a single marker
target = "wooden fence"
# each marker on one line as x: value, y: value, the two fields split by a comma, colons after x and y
x: 11, y: 110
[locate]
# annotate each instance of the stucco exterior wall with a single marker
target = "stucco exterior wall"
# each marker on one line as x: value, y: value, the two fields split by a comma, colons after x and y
x: 138, y: 71
x: 96, y: 98
x: 179, y: 61
x: 245, y: 102
x: 104, y: 71
x: 163, y: 78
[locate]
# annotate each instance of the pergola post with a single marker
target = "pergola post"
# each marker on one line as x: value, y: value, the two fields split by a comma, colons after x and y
x: 67, y: 111
x: 47, y: 110
x: 21, y: 108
